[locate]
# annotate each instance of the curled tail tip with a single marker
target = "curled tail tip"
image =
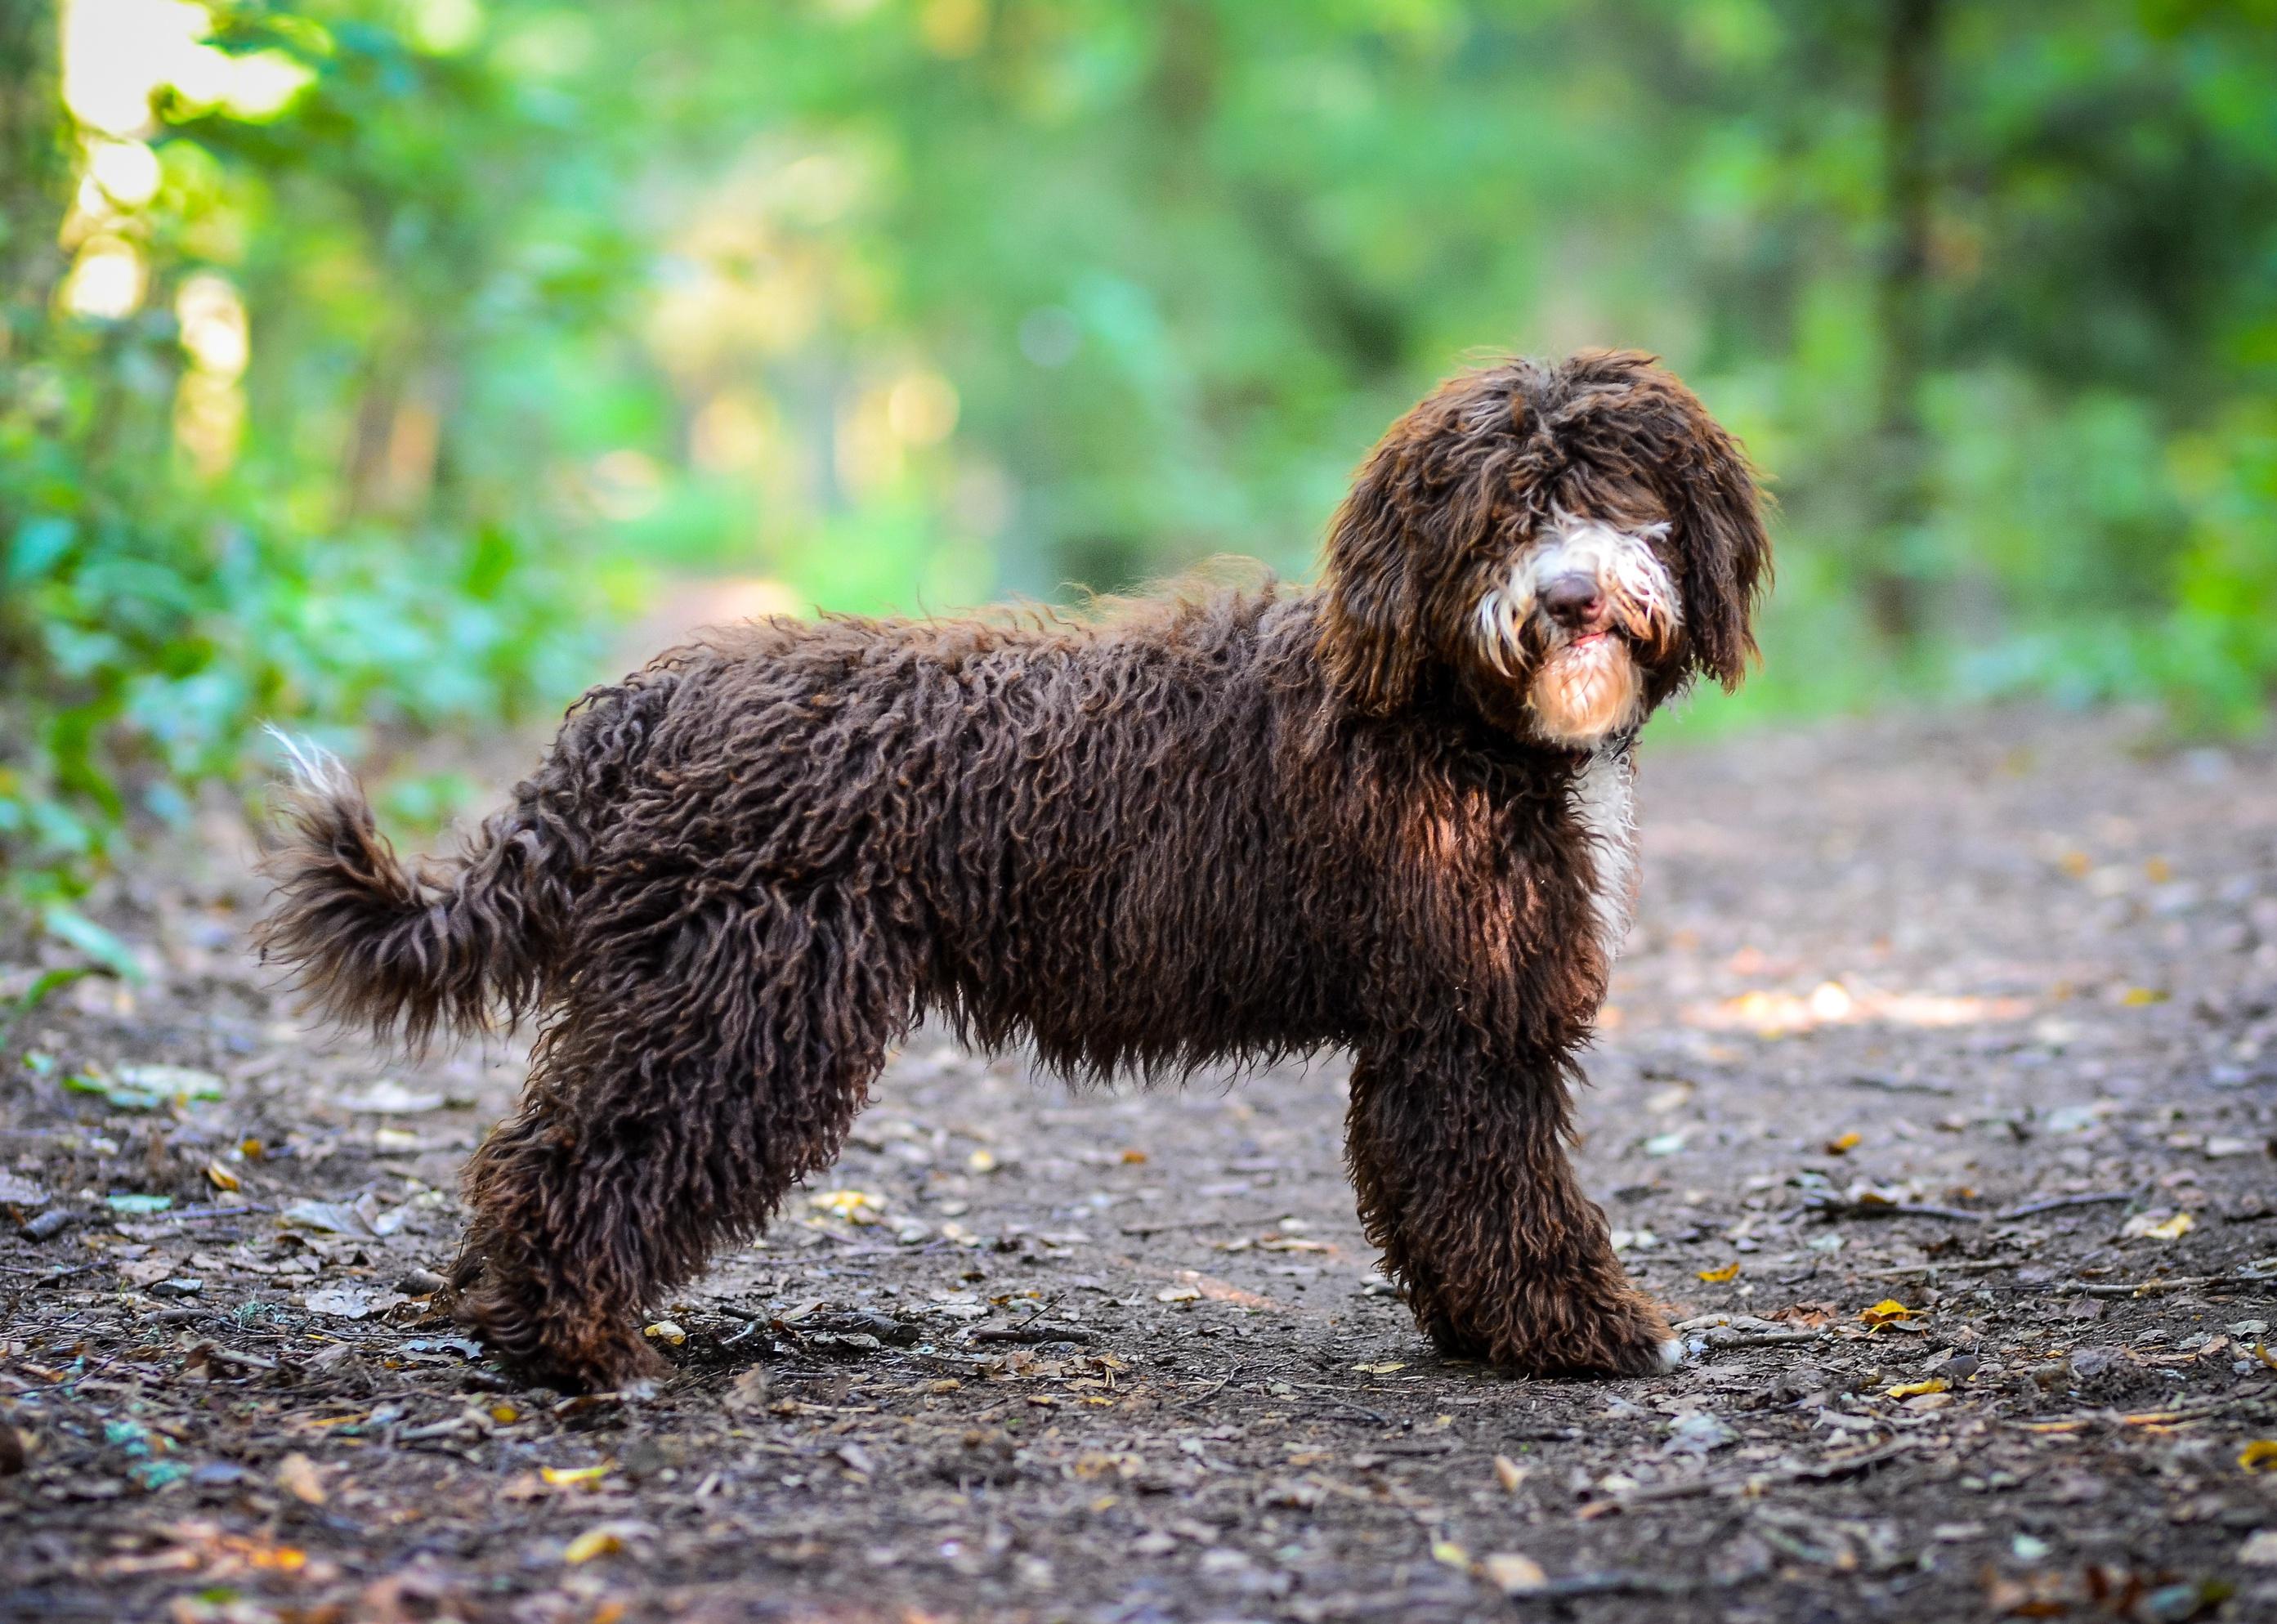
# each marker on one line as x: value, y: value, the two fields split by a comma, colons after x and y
x: 403, y: 952
x: 342, y: 904
x: 310, y: 766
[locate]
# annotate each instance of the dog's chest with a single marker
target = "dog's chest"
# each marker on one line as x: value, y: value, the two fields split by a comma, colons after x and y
x: 1603, y: 802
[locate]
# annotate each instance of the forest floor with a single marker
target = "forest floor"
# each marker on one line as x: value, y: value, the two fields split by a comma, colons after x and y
x: 1936, y: 1097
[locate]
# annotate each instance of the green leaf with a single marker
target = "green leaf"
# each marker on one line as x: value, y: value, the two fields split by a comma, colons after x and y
x: 141, y: 1206
x: 38, y: 544
x: 69, y: 925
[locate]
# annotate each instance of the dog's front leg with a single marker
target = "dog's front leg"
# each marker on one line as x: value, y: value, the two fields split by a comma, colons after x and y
x: 1460, y: 1164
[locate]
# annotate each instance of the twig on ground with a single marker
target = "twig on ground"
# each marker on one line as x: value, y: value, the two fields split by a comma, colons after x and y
x: 1190, y: 1224
x: 1897, y: 1085
x: 436, y: 1429
x: 218, y: 1355
x: 1834, y: 1206
x: 1815, y: 1471
x: 2141, y: 1288
x: 1031, y: 1332
x: 1610, y: 1582
x: 2010, y: 1214
x: 201, y: 1213
x: 1335, y: 1397
x: 1970, y: 1266
x: 2167, y: 1417
x: 1211, y: 1391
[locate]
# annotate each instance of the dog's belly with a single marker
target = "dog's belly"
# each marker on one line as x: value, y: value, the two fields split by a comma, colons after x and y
x: 1146, y: 972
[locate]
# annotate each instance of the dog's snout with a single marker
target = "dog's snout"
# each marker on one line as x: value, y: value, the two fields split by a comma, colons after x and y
x: 1573, y: 599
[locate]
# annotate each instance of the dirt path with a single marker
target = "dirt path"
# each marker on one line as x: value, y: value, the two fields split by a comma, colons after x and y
x: 1972, y: 1017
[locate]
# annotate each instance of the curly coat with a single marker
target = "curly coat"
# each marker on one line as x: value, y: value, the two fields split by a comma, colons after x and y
x: 1224, y: 825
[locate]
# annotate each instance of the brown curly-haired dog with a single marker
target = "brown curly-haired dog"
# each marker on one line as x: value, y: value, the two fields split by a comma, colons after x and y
x: 1389, y: 813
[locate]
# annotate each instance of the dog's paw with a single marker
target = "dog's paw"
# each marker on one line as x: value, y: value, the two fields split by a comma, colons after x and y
x: 1636, y: 1340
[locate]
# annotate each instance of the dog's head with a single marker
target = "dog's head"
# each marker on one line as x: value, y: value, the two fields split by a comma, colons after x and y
x: 1572, y: 543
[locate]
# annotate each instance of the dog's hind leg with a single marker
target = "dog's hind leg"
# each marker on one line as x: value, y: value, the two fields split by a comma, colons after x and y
x: 692, y: 1083
x: 1460, y: 1165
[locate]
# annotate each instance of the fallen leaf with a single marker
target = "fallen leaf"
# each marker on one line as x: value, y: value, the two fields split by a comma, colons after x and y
x: 2259, y: 1549
x: 1385, y: 1369
x: 2151, y: 1226
x: 182, y: 1082
x: 2135, y: 997
x: 2259, y: 1456
x: 1842, y: 1145
x: 387, y: 1097
x: 605, y: 1539
x: 1509, y: 1474
x: 666, y: 1331
x: 1914, y: 1390
x: 1513, y: 1575
x: 1716, y: 1277
x: 1888, y: 1311
x: 1699, y: 1434
x: 296, y: 1474
x: 1133, y: 1157
x: 324, y: 1218
x: 569, y: 1476
x: 854, y: 1206
x: 1447, y: 1552
x: 220, y: 1176
x: 747, y: 1394
x: 351, y: 1303
x: 1178, y: 1293
x: 141, y: 1206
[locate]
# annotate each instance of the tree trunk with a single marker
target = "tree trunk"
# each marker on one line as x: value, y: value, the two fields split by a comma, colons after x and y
x: 35, y: 173
x: 1900, y: 496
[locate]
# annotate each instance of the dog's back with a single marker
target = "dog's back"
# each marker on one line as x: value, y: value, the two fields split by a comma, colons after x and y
x: 1073, y: 829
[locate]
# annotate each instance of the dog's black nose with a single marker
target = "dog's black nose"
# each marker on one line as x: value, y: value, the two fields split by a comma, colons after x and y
x: 1574, y: 600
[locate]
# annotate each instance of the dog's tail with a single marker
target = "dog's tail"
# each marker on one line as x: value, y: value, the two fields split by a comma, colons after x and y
x: 407, y: 951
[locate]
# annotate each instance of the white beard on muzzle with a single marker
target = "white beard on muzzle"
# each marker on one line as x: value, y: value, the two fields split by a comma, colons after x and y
x: 1584, y: 690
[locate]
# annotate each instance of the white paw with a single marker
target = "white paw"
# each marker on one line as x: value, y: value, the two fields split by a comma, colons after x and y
x: 1671, y: 1355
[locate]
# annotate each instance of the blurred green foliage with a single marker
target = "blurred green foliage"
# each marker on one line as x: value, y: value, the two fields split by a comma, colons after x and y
x: 443, y: 323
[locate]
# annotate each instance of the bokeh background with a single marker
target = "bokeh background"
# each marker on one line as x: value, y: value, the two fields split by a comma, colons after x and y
x: 372, y: 365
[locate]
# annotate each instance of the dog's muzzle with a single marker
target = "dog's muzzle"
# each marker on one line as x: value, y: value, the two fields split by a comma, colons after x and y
x: 1570, y: 617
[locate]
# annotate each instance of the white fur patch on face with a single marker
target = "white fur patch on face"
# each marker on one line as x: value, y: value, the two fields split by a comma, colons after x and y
x: 1582, y: 688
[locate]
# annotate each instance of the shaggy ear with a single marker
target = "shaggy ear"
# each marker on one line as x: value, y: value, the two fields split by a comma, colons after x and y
x: 1637, y: 418
x: 1730, y: 554
x: 1719, y: 516
x: 1371, y: 622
